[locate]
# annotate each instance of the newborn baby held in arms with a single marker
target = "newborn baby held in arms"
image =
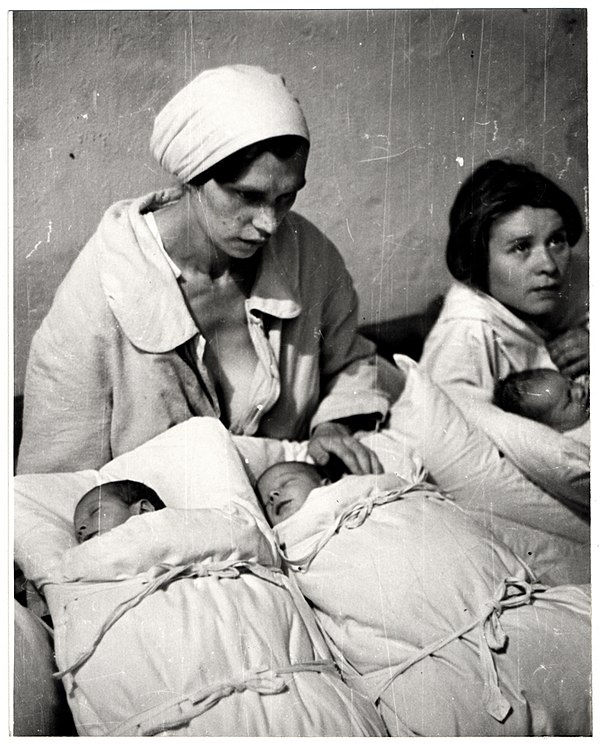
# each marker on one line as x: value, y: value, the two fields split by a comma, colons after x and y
x: 547, y: 396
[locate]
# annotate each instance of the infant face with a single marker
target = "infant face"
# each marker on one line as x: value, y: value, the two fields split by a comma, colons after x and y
x: 557, y: 400
x: 98, y: 512
x: 284, y: 487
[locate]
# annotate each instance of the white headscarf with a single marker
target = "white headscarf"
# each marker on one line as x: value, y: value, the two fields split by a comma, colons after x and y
x: 220, y: 112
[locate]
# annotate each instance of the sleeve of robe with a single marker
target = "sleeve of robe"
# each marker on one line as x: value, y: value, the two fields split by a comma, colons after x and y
x: 67, y: 405
x: 354, y: 380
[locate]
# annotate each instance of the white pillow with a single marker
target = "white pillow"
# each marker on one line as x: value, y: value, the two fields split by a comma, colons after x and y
x: 192, y: 465
x: 552, y: 537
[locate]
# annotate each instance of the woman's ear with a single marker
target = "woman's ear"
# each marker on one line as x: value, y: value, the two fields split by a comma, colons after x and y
x: 325, y: 482
x: 141, y: 507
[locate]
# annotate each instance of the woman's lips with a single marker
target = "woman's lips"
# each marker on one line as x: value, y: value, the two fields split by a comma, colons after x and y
x: 254, y: 243
x: 548, y: 288
x: 550, y: 291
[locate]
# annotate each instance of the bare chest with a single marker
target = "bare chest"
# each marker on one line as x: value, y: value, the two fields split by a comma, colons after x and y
x: 218, y: 309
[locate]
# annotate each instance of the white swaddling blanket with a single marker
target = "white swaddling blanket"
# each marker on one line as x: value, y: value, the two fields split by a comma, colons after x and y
x: 180, y: 621
x: 427, y: 430
x: 552, y: 535
x: 435, y: 618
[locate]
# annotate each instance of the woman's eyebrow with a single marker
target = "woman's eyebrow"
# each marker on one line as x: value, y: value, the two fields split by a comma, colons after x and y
x: 519, y: 236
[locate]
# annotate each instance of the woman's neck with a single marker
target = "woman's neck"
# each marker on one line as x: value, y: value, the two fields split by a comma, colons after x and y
x: 543, y: 325
x: 186, y: 243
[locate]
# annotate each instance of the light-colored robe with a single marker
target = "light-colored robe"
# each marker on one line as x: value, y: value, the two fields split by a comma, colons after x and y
x: 477, y: 341
x: 110, y: 367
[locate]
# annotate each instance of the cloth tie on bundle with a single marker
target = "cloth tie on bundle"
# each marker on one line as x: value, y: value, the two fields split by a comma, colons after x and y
x: 354, y: 516
x: 176, y: 713
x: 165, y: 575
x: 220, y: 112
x: 511, y: 592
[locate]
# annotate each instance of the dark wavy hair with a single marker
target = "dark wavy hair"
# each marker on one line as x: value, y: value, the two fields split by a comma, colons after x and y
x: 497, y: 188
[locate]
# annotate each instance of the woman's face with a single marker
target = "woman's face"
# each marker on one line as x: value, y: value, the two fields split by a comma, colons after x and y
x: 528, y: 260
x: 240, y: 217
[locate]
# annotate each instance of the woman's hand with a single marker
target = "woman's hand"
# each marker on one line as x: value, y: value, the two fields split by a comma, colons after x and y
x: 337, y: 439
x: 571, y: 352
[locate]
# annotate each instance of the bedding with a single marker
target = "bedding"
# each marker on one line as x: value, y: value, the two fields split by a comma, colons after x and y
x: 477, y: 341
x: 426, y: 433
x: 181, y: 622
x: 551, y: 534
x: 440, y: 623
x: 581, y: 436
x: 197, y: 468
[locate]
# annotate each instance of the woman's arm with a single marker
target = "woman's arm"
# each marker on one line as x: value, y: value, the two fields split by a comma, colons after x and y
x: 354, y: 381
x: 356, y: 384
x: 68, y: 400
x: 465, y: 360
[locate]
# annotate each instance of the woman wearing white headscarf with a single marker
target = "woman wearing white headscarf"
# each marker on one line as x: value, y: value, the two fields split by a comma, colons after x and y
x: 210, y: 299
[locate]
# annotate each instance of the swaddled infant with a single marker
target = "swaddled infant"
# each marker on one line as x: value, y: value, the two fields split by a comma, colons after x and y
x: 284, y: 487
x: 447, y: 629
x: 111, y: 504
x: 160, y: 628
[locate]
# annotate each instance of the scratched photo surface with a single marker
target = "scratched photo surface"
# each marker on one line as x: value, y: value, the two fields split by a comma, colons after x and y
x: 479, y: 561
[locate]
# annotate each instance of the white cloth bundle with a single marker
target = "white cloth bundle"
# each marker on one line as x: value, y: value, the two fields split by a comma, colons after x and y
x: 437, y: 620
x: 554, y: 537
x: 180, y: 621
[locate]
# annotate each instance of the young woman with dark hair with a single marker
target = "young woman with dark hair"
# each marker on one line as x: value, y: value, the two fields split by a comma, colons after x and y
x: 512, y: 231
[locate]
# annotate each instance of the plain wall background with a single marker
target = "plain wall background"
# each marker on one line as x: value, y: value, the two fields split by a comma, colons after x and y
x: 402, y: 104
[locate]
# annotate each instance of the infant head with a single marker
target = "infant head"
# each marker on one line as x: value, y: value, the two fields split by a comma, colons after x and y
x: 284, y: 487
x: 547, y: 396
x: 111, y: 504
